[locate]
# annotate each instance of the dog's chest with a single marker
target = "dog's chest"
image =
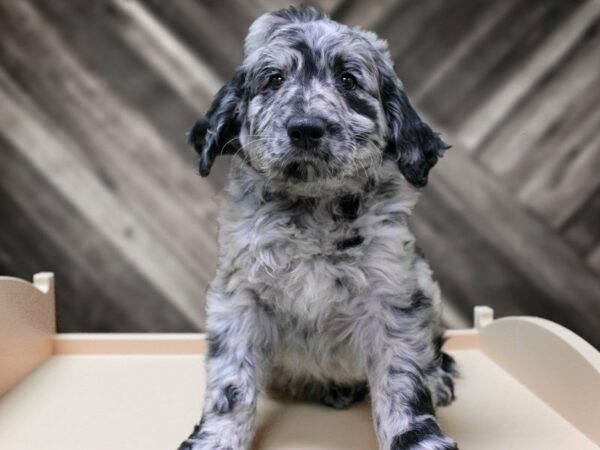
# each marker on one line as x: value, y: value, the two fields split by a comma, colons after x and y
x: 304, y: 258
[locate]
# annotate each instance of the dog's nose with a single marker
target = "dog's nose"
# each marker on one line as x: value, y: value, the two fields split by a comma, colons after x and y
x: 305, y: 132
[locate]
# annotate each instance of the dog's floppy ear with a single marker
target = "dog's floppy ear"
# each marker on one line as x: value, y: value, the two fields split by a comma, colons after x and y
x: 217, y: 133
x: 411, y: 142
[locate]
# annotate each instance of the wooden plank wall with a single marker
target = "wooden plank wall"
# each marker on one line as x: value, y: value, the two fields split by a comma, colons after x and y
x: 97, y: 185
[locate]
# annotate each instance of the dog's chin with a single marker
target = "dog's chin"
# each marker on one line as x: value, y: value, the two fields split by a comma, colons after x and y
x: 304, y: 171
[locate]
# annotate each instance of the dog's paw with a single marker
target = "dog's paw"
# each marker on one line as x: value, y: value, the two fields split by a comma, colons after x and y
x: 424, y: 435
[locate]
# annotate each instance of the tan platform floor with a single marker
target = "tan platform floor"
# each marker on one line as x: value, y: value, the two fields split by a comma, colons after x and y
x: 147, y: 402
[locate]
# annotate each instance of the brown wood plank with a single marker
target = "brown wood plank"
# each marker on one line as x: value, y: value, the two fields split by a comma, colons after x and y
x: 97, y: 289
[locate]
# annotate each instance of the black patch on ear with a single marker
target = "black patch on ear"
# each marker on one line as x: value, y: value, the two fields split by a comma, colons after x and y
x: 411, y: 142
x: 217, y: 133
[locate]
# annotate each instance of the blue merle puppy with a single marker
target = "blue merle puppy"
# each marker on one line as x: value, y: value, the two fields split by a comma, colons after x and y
x: 320, y: 291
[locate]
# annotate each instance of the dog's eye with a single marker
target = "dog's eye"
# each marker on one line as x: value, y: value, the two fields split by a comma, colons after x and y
x: 347, y: 81
x: 275, y: 81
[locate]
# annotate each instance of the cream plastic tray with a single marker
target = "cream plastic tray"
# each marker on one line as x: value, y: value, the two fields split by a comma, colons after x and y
x: 526, y: 384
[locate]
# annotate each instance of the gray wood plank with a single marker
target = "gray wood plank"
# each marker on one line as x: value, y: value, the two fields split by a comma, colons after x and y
x: 97, y: 289
x: 549, y: 119
x: 492, y: 62
x: 440, y: 34
x: 403, y: 25
x: 38, y: 140
x: 536, y: 251
x: 157, y: 187
x: 582, y: 230
x: 364, y: 14
x: 209, y: 34
x: 569, y: 178
x: 471, y: 271
x: 95, y: 34
x: 519, y: 67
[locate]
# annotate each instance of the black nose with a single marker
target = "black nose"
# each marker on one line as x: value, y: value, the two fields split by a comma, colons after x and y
x: 305, y: 132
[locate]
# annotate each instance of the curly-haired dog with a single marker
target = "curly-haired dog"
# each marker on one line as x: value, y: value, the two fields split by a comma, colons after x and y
x: 320, y: 291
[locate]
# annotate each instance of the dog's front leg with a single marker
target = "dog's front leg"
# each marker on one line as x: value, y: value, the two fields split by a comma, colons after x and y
x: 402, y: 402
x: 241, y: 336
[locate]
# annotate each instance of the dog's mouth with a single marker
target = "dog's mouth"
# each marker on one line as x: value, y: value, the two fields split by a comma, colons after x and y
x: 306, y: 166
x: 301, y: 171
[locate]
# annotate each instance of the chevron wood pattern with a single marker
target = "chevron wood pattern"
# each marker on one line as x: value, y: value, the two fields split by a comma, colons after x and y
x: 96, y: 182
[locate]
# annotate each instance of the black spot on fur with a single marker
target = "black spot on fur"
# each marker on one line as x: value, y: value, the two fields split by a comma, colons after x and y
x: 386, y: 189
x: 347, y: 208
x: 231, y: 397
x: 350, y: 242
x: 444, y: 360
x: 197, y: 436
x: 361, y: 105
x: 418, y: 301
x: 341, y: 396
x: 419, y: 433
x: 377, y: 422
x: 296, y: 171
x: 449, y: 383
x: 309, y: 63
x: 216, y: 344
x: 419, y: 252
x: 421, y: 403
x: 448, y: 363
x: 268, y: 309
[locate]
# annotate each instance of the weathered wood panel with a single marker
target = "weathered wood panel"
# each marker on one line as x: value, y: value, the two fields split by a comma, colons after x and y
x: 40, y: 237
x: 95, y: 99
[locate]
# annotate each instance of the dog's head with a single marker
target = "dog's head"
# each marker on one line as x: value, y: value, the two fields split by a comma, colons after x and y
x: 313, y: 100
